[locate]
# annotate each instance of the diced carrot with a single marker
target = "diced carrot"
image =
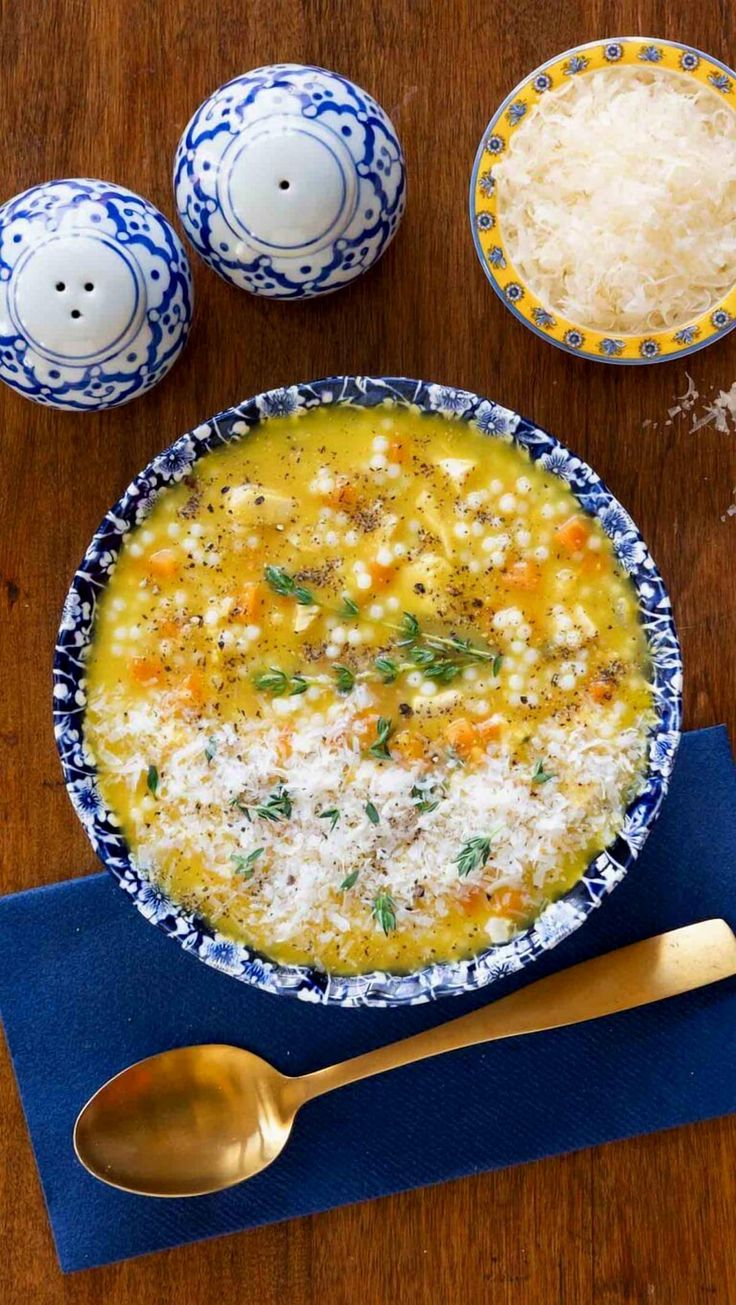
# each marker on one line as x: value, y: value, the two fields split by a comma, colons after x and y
x: 169, y: 628
x: 164, y: 563
x: 488, y: 731
x: 474, y: 900
x: 192, y: 687
x: 283, y: 745
x: 396, y: 451
x: 601, y: 690
x: 380, y: 574
x: 364, y: 724
x: 248, y: 602
x: 146, y: 670
x: 522, y: 575
x: 462, y: 736
x: 409, y: 745
x: 593, y: 563
x: 572, y: 534
x: 343, y: 494
x: 509, y: 901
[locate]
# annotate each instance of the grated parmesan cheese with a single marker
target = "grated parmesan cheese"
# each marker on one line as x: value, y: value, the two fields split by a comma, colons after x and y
x: 617, y: 199
x: 295, y: 893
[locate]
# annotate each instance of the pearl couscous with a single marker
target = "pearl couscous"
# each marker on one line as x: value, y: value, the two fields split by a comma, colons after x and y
x: 367, y: 690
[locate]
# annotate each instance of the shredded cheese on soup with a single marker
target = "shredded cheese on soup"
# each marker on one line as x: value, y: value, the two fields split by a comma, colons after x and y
x: 368, y: 690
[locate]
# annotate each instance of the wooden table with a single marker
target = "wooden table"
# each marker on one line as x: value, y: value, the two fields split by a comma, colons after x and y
x: 95, y: 87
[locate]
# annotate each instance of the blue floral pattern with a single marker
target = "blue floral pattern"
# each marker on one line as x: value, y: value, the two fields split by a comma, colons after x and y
x: 495, y: 144
x: 721, y: 82
x: 613, y: 52
x: 650, y: 54
x: 496, y: 257
x: 686, y: 335
x: 515, y: 112
x: 342, y: 124
x: 514, y: 292
x: 574, y: 339
x: 650, y: 348
x: 611, y: 348
x: 485, y: 221
x: 542, y: 82
x: 543, y: 318
x: 577, y: 64
x: 487, y: 183
x: 721, y: 318
x: 377, y: 988
x: 148, y: 255
x: 689, y: 61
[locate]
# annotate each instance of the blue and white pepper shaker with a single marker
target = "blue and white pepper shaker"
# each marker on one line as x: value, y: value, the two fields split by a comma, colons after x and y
x: 95, y: 294
x: 290, y: 181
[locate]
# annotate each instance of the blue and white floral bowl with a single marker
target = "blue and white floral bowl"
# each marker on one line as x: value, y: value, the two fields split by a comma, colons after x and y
x: 95, y: 294
x: 377, y: 988
x: 487, y: 224
x: 290, y: 181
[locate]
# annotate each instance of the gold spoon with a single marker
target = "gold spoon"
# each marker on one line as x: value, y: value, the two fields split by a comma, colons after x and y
x: 200, y: 1119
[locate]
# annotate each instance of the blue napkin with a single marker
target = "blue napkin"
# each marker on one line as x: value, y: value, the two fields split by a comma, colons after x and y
x: 87, y: 986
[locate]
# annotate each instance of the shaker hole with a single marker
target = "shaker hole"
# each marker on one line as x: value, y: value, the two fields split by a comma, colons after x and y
x: 75, y: 313
x: 60, y: 286
x: 89, y: 285
x: 284, y: 185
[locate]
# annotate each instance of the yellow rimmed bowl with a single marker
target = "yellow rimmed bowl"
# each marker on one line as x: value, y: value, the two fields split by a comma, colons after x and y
x: 510, y: 286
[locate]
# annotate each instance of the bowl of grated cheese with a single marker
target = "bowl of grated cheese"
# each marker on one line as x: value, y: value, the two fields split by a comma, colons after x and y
x: 603, y: 200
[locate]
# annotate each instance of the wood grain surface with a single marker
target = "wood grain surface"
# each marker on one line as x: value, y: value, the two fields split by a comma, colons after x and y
x: 103, y: 88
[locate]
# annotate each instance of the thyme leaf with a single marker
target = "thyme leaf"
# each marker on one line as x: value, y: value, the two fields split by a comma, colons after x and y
x: 152, y: 780
x: 333, y: 815
x: 246, y: 865
x: 540, y: 775
x: 349, y: 881
x: 387, y: 668
x: 372, y: 814
x: 426, y: 795
x: 344, y: 678
x: 384, y: 912
x: 384, y: 730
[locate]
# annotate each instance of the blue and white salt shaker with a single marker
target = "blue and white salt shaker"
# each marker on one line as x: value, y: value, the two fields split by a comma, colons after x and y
x: 290, y: 181
x: 95, y: 294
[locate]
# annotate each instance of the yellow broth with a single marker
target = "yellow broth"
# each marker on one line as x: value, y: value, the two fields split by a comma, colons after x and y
x: 283, y: 581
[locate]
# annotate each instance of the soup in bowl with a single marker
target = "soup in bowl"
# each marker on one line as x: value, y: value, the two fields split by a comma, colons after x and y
x: 380, y: 691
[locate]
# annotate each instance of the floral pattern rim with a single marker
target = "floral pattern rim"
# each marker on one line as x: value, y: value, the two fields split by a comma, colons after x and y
x: 519, y: 298
x: 194, y: 934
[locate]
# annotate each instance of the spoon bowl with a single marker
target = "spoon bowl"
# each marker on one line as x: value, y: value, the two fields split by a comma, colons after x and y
x: 186, y: 1122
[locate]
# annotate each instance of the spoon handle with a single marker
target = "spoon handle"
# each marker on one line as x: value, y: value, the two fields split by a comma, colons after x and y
x: 671, y: 963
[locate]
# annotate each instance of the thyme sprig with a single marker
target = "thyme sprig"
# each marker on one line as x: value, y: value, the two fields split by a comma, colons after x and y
x: 440, y: 659
x: 246, y: 865
x: 277, y: 806
x: 475, y: 852
x: 278, y: 683
x: 284, y: 584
